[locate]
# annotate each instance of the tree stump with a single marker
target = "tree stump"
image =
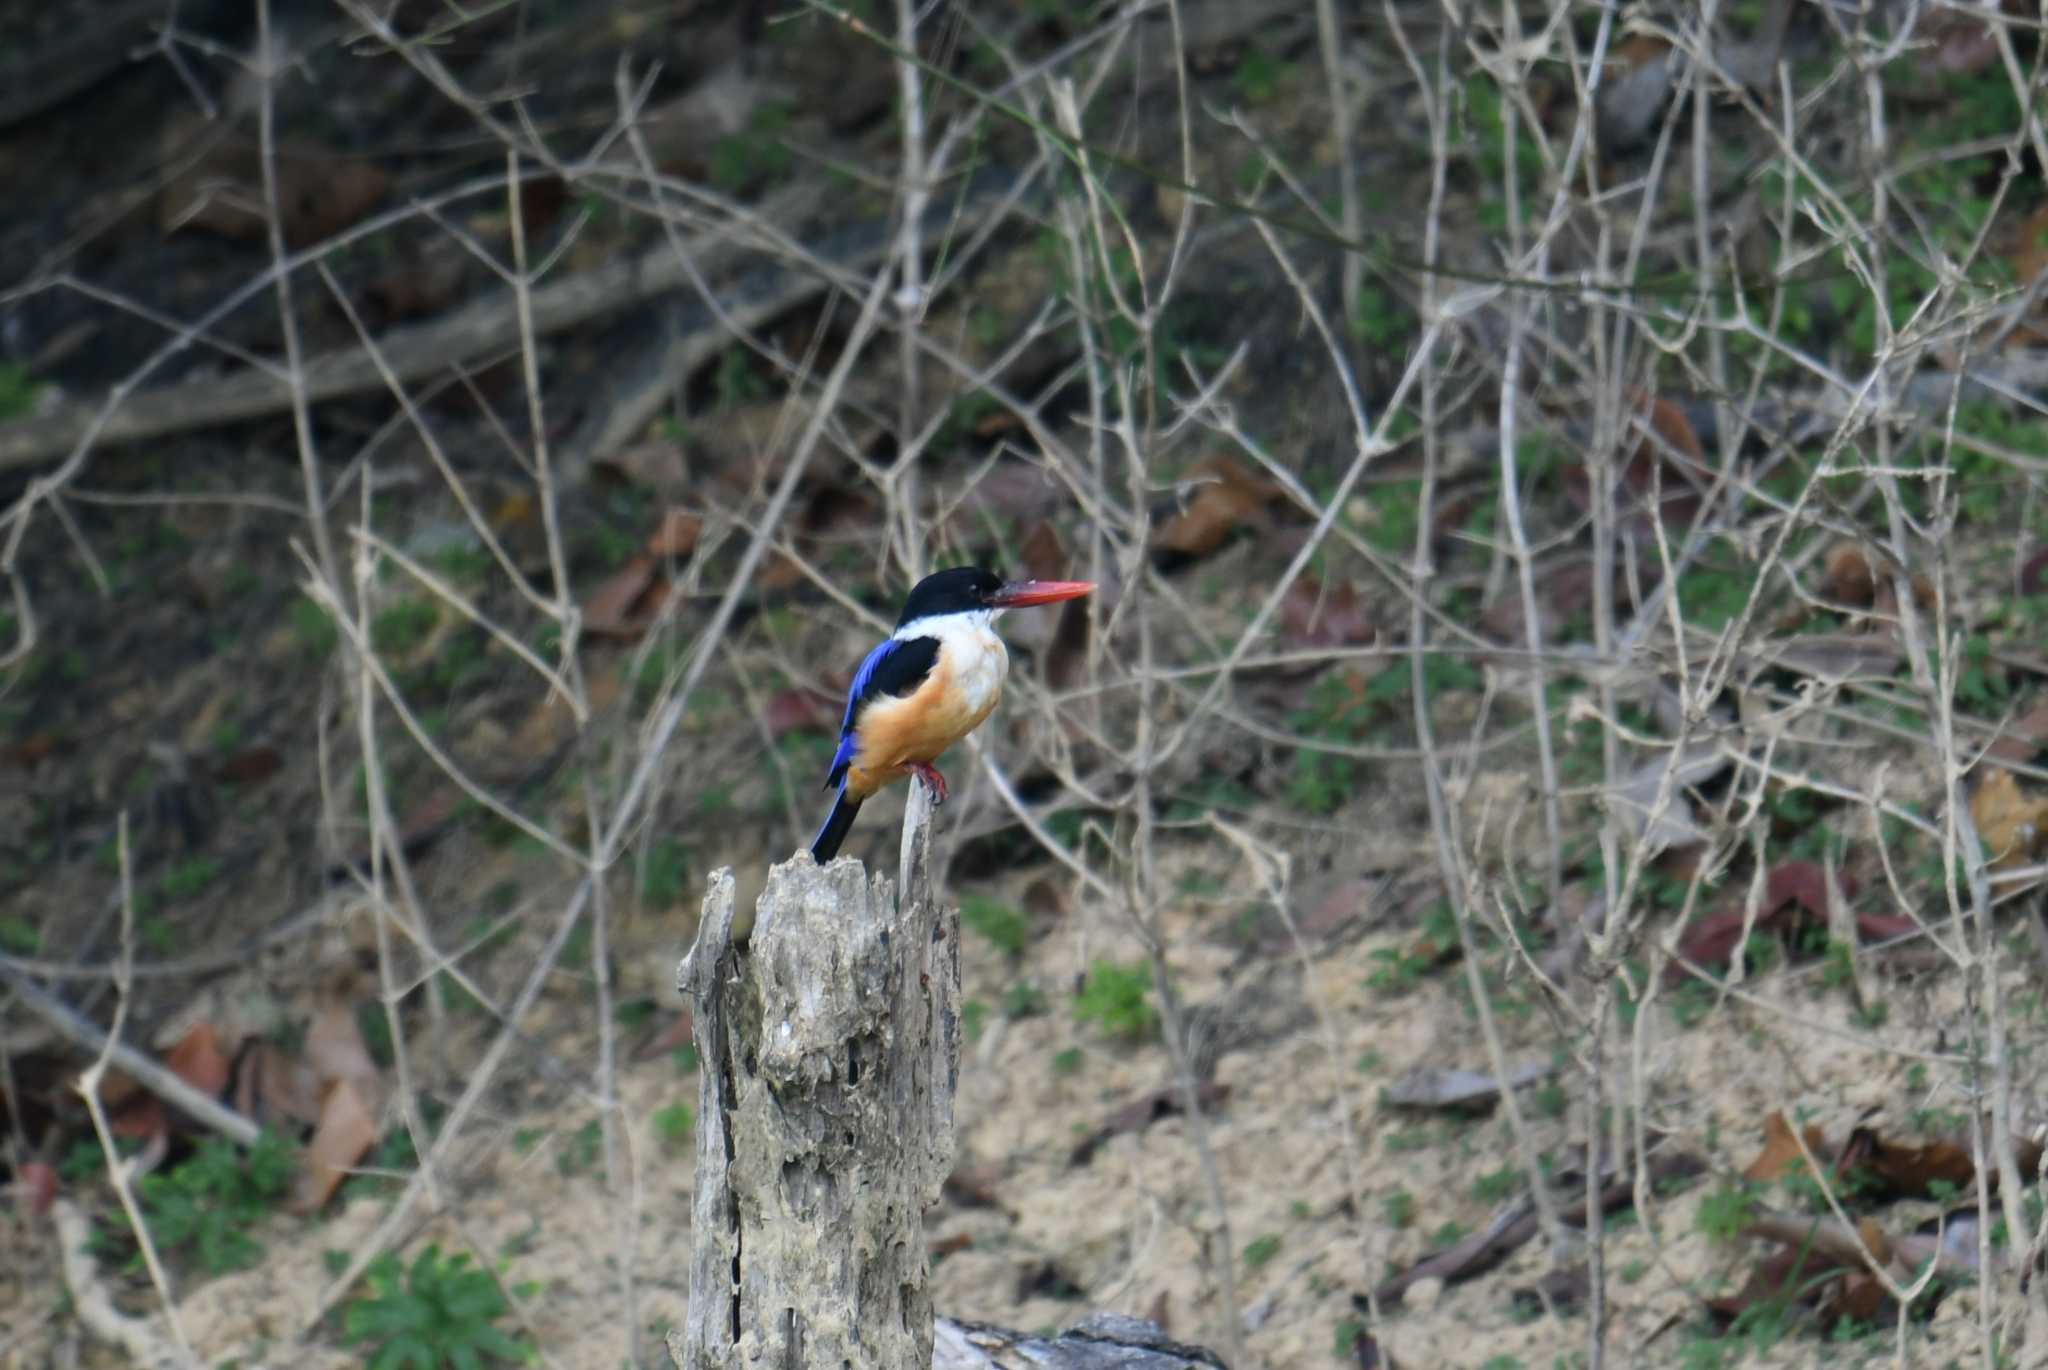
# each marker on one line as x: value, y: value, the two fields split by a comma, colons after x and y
x: 828, y: 1048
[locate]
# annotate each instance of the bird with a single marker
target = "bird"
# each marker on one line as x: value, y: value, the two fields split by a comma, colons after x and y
x: 926, y: 686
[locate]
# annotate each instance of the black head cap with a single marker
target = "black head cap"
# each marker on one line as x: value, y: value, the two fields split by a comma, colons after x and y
x: 953, y: 591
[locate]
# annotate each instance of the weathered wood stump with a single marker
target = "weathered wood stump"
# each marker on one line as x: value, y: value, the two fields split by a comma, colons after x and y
x: 829, y: 1044
x: 829, y: 1048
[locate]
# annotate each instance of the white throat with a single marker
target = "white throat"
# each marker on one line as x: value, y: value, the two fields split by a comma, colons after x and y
x: 971, y: 656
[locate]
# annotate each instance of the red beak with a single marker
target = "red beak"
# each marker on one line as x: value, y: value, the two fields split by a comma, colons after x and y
x: 1019, y: 594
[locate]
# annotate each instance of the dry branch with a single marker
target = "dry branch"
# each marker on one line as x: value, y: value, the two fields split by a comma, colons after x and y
x: 491, y: 324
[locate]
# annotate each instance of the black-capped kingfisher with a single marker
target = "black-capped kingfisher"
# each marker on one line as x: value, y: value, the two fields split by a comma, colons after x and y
x: 929, y: 685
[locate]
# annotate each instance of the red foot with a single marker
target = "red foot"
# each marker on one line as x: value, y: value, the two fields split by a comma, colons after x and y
x: 933, y: 781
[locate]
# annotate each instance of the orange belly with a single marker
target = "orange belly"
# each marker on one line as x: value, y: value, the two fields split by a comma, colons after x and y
x: 914, y: 729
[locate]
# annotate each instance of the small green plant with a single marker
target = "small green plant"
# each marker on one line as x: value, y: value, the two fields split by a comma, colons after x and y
x: 1399, y: 1207
x: 1114, y: 999
x: 1258, y: 76
x: 189, y: 878
x: 1496, y: 1185
x: 973, y: 1017
x: 674, y: 1124
x: 438, y: 1312
x: 997, y: 921
x: 582, y: 1149
x: 758, y: 153
x: 18, y: 391
x: 667, y: 875
x: 1261, y: 1250
x: 1724, y: 1213
x: 19, y: 936
x: 314, y: 630
x: 1023, y: 1000
x: 1067, y: 1062
x: 208, y: 1204
x: 403, y: 626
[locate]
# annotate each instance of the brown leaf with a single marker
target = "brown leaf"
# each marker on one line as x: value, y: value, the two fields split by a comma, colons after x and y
x: 1042, y: 554
x: 1781, y: 1155
x: 974, y: 1186
x: 1142, y: 1112
x: 1790, y: 886
x: 320, y: 191
x: 678, y: 1033
x: 1314, y: 616
x: 797, y: 709
x: 36, y: 749
x: 517, y: 509
x: 2034, y: 574
x: 198, y: 1060
x: 628, y: 601
x: 346, y: 1130
x: 1790, y: 1274
x: 2022, y: 738
x: 1883, y: 927
x: 334, y: 1047
x: 1908, y: 1172
x: 1659, y: 481
x: 2029, y: 259
x: 946, y: 1246
x: 1222, y: 496
x: 249, y: 766
x: 35, y: 1187
x: 277, y: 1085
x: 676, y: 535
x: 1443, y: 1087
x: 656, y: 464
x: 1848, y: 579
x: 2010, y: 822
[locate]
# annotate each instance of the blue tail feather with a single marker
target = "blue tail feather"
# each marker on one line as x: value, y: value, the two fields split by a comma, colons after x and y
x: 837, y: 824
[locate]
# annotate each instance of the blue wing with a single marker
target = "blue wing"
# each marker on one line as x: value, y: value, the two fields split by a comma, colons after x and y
x: 895, y: 667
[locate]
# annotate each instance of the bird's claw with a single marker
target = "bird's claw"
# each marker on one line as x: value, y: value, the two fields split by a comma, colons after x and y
x: 934, y: 783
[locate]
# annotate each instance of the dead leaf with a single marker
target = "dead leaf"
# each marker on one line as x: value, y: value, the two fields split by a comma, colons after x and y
x: 249, y: 766
x: 1674, y: 824
x: 974, y: 1186
x: 1848, y: 578
x: 1313, y: 615
x: 676, y: 536
x: 274, y: 1084
x: 1041, y: 554
x: 517, y: 509
x: 797, y: 709
x: 1443, y: 1087
x: 627, y: 603
x: 346, y: 1130
x: 1893, y: 1170
x: 35, y: 1187
x: 334, y: 1047
x: 655, y: 464
x: 36, y: 749
x: 1660, y: 482
x: 198, y: 1060
x: 1141, y: 1113
x: 677, y: 1034
x: 1781, y: 1155
x: 2022, y: 739
x: 1791, y: 887
x: 2010, y: 822
x: 1219, y: 497
x: 320, y: 190
x: 1793, y: 1274
x: 1832, y: 656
